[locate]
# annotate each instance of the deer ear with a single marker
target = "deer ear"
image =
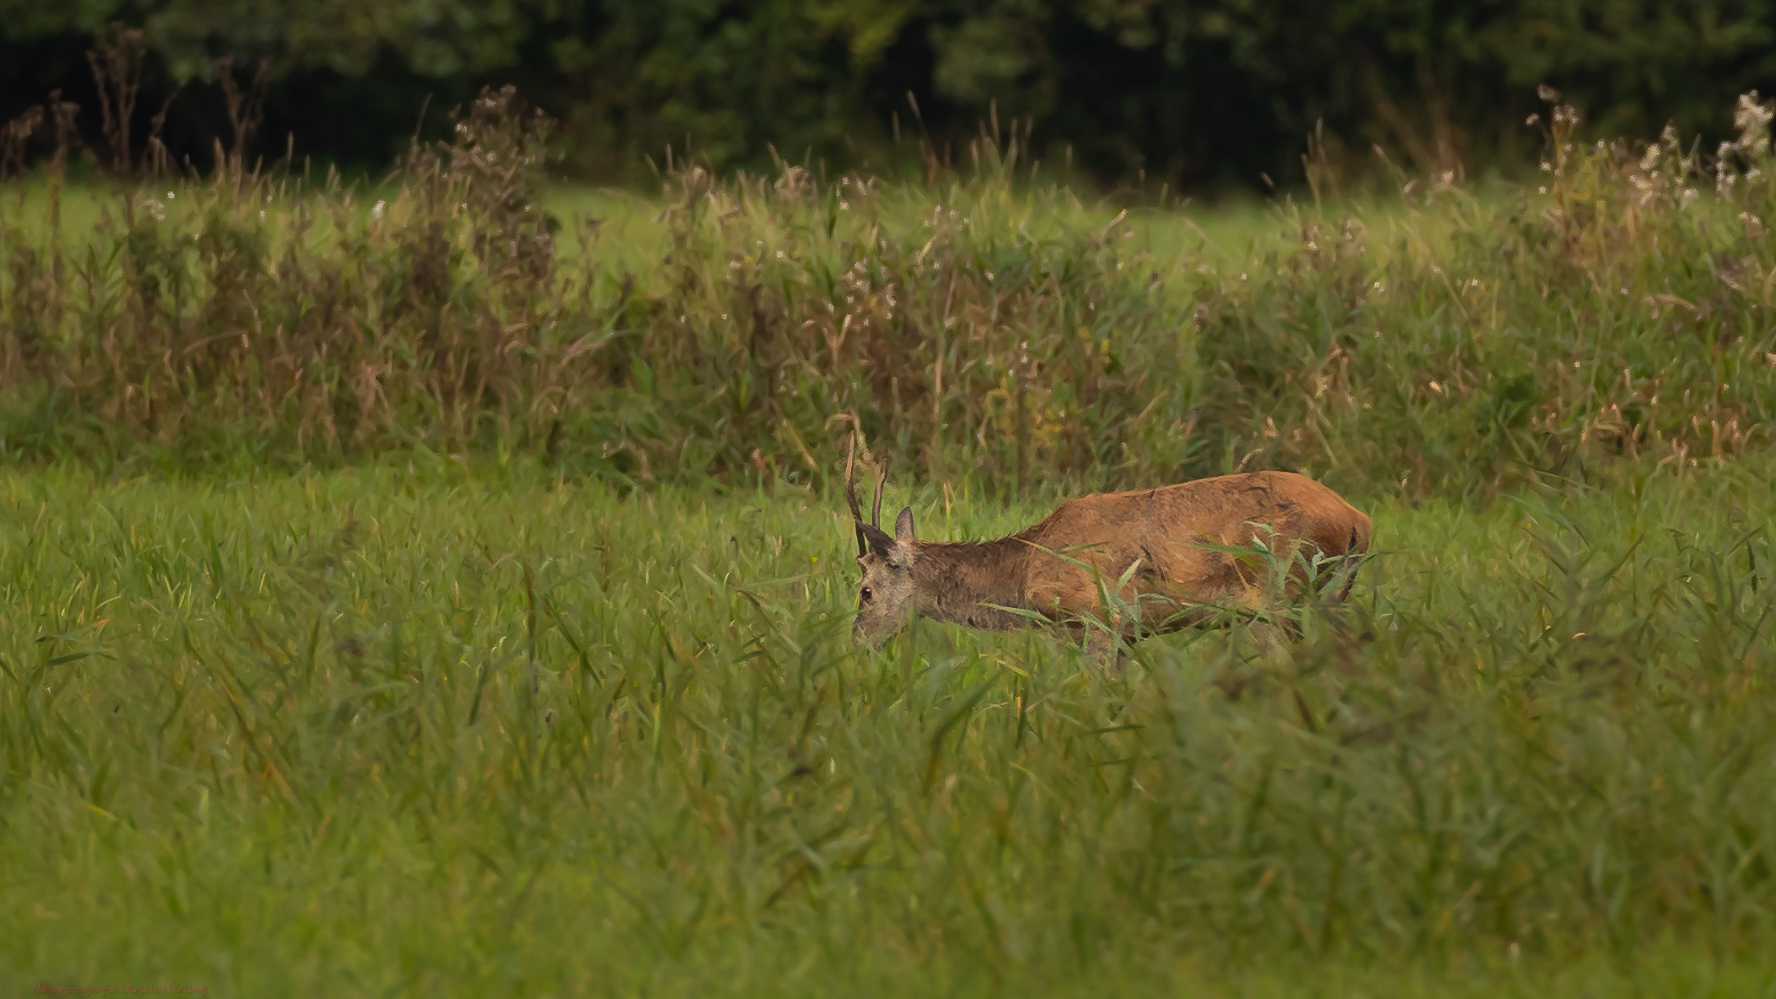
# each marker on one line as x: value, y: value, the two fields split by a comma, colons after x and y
x: 903, y: 525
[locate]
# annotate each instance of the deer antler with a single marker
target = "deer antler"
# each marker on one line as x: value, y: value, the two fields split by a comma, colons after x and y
x: 876, y: 508
x: 851, y: 496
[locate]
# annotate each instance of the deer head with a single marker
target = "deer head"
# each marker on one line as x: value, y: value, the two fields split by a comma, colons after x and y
x: 885, y: 597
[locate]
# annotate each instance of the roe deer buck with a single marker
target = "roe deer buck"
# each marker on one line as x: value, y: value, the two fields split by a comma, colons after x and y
x: 1165, y: 551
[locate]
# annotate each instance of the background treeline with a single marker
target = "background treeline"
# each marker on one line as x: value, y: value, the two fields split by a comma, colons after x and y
x: 1194, y: 93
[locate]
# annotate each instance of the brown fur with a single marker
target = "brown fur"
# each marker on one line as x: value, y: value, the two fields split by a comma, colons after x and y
x: 1169, y: 536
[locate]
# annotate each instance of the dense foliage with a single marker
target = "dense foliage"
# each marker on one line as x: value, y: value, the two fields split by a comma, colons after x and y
x: 1188, y: 92
x: 1448, y: 343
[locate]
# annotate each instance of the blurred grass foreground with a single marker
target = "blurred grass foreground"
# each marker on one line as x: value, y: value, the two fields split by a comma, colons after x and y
x: 440, y: 587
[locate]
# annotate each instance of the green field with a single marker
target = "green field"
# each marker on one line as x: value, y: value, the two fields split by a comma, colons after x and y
x: 403, y: 731
x: 443, y: 587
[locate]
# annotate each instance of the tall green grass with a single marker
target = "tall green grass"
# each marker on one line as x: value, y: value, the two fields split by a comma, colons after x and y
x: 408, y: 731
x: 368, y: 622
x: 1448, y: 343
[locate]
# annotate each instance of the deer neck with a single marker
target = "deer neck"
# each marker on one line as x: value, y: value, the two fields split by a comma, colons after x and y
x: 966, y: 583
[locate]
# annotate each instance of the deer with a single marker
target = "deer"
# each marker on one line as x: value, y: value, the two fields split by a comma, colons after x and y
x: 1187, y: 555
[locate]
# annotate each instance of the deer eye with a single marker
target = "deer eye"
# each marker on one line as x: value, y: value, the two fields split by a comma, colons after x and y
x: 868, y: 593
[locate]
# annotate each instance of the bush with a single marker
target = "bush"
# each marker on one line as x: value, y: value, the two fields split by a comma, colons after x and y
x: 1458, y: 344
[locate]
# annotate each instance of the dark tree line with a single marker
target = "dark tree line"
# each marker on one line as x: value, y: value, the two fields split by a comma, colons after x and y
x: 1192, y: 92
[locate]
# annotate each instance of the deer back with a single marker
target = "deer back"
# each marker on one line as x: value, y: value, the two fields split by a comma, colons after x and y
x: 1171, y: 536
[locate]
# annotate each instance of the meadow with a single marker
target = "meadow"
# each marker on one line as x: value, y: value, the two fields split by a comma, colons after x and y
x: 409, y: 731
x: 443, y: 586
